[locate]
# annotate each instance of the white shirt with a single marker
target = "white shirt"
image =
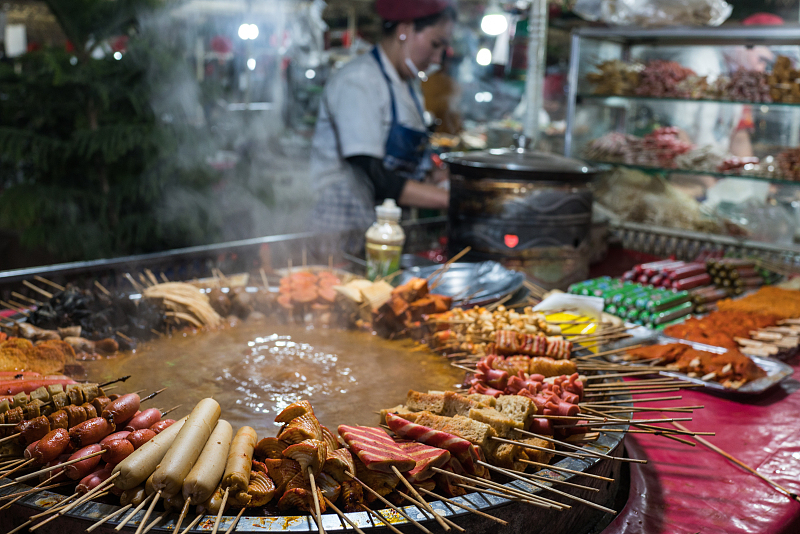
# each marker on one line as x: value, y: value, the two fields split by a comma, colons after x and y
x: 355, y: 116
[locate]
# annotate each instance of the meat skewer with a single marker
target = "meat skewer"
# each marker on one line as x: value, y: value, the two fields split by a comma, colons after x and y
x: 467, y: 508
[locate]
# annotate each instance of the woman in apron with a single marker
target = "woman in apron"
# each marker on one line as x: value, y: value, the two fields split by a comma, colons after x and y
x: 371, y: 141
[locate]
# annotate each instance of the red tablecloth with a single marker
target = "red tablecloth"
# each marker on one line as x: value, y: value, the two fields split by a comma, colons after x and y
x: 689, y: 490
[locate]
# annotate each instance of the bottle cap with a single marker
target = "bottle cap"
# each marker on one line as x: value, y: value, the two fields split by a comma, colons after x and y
x: 389, y: 210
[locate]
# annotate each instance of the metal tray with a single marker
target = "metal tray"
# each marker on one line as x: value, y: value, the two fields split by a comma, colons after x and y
x: 478, y: 283
x: 776, y: 371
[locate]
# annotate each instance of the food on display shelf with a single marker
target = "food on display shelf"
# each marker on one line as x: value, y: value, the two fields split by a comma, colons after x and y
x: 638, y: 197
x: 772, y: 302
x: 706, y: 158
x: 789, y: 164
x: 732, y: 369
x: 46, y: 357
x: 783, y: 81
x: 616, y: 77
x: 745, y: 86
x: 659, y: 148
x: 663, y: 78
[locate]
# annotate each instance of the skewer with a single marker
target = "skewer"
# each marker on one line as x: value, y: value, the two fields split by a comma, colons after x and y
x: 12, y: 463
x: 617, y: 375
x: 145, y: 282
x: 23, y: 525
x: 221, y: 510
x: 121, y: 379
x: 621, y: 422
x: 422, y: 501
x: 57, y: 506
x: 19, y: 495
x: 628, y: 392
x: 149, y: 511
x: 467, y: 508
x: 640, y: 410
x: 390, y: 505
x: 318, y: 516
x: 123, y: 336
x: 565, y: 470
x: 511, y: 497
x: 446, y: 523
x: 537, y: 448
x: 513, y: 492
x: 547, y: 488
x: 236, y: 521
x: 37, y: 289
x: 575, y: 447
x: 193, y: 523
x: 134, y: 512
x: 563, y: 482
x: 342, y: 516
x: 626, y: 401
x: 21, y: 466
x: 264, y: 278
x: 153, y: 395
x: 435, y: 274
x: 13, y: 308
x: 164, y: 278
x: 495, y: 305
x: 741, y: 464
x: 48, y: 282
x: 66, y: 509
x: 102, y: 288
x: 48, y: 469
x: 27, y: 299
x: 134, y: 283
x: 151, y: 276
x: 109, y: 517
x: 170, y: 410
x: 156, y: 521
x: 382, y: 519
x: 181, y: 517
x: 467, y: 369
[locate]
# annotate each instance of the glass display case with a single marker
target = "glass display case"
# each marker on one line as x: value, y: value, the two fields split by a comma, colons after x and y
x: 710, y: 115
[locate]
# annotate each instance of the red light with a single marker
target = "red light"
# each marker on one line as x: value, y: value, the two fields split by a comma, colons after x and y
x: 511, y: 240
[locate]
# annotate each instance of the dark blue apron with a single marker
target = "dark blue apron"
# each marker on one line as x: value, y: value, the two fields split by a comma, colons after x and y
x: 406, y: 149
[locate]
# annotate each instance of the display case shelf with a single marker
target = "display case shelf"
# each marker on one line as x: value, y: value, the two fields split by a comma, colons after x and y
x: 625, y: 100
x: 664, y: 170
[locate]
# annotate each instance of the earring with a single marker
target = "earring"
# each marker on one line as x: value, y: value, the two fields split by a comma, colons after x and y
x: 402, y: 37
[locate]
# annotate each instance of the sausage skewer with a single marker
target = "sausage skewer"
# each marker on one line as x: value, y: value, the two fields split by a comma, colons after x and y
x: 134, y: 512
x: 53, y: 467
x: 109, y: 517
x: 181, y: 517
x: 149, y: 511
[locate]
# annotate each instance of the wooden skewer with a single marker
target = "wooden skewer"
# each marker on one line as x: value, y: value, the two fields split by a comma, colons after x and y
x: 182, y: 516
x: 109, y: 517
x: 156, y: 521
x: 134, y: 512
x: 221, y: 510
x: 542, y: 449
x: 48, y: 282
x: 13, y: 308
x: 11, y: 465
x: 153, y: 394
x: 565, y: 470
x: 134, y: 283
x: 741, y: 464
x: 451, y: 261
x: 507, y: 496
x: 193, y: 523
x: 563, y: 482
x: 576, y: 448
x: 416, y: 494
x: 618, y: 375
x: 26, y: 299
x: 57, y: 506
x: 463, y: 507
x: 149, y: 511
x: 390, y: 505
x: 382, y: 519
x: 621, y: 422
x: 164, y: 278
x: 642, y: 384
x: 102, y: 489
x: 23, y: 525
x: 509, y: 493
x: 547, y: 488
x: 56, y: 515
x: 151, y: 276
x: 236, y: 521
x: 102, y: 288
x: 630, y: 392
x: 467, y: 369
x: 120, y: 379
x: 318, y: 514
x: 145, y: 282
x: 19, y: 495
x: 21, y: 466
x: 629, y: 401
x: 425, y: 511
x: 123, y: 336
x: 38, y: 289
x: 342, y: 516
x: 63, y: 464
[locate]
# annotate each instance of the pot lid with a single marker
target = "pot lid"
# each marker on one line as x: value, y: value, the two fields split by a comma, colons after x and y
x: 532, y: 164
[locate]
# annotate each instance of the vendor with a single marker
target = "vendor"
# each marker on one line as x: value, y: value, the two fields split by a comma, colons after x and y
x: 371, y: 141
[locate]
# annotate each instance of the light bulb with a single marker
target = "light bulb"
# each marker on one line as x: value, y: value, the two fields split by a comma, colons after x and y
x: 251, y: 64
x: 494, y: 22
x: 311, y: 74
x: 484, y: 57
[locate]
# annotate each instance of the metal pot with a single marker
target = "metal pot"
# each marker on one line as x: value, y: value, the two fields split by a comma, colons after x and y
x: 529, y: 210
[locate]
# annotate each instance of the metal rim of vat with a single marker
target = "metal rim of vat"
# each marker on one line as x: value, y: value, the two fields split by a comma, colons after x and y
x: 92, y: 512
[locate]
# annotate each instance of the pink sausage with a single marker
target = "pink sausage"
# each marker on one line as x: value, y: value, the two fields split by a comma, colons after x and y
x: 122, y: 434
x: 94, y: 479
x: 116, y: 451
x: 80, y: 469
x: 59, y: 471
x: 162, y: 425
x: 140, y: 437
x: 28, y: 454
x: 122, y: 409
x: 145, y: 419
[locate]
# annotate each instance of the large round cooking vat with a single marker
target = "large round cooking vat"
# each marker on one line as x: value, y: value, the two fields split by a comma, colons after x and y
x: 528, y: 210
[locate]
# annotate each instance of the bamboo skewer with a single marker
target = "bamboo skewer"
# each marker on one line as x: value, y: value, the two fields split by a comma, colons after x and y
x: 463, y: 507
x: 27, y: 299
x: 547, y: 488
x: 149, y: 511
x: 221, y: 511
x: 23, y: 525
x: 318, y: 514
x: 741, y: 464
x: 509, y: 496
x: 542, y: 449
x: 627, y: 401
x: 563, y: 482
x: 382, y: 519
x: 236, y: 521
x: 514, y: 492
x: 182, y: 515
x: 134, y: 512
x: 390, y: 505
x: 109, y: 517
x: 102, y: 288
x: 21, y: 466
x: 565, y: 470
x: 621, y: 422
x: 193, y: 523
x: 48, y: 282
x: 19, y: 495
x: 342, y: 516
x: 618, y: 375
x: 425, y: 506
x: 630, y: 392
x: 38, y: 289
x: 446, y: 524
x: 65, y: 509
x: 53, y: 468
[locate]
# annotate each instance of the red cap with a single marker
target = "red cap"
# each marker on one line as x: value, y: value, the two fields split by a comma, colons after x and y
x: 763, y: 19
x: 403, y: 10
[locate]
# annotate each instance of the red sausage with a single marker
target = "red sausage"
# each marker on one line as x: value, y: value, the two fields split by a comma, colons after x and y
x: 162, y: 425
x: 146, y: 419
x: 28, y: 454
x: 94, y: 479
x: 122, y: 434
x: 50, y: 447
x: 121, y: 409
x: 89, y: 432
x: 57, y: 471
x: 80, y: 469
x: 140, y: 437
x: 116, y: 451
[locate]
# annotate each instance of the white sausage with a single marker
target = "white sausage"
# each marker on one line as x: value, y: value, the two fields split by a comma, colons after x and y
x: 240, y: 460
x: 142, y: 462
x: 186, y: 448
x: 207, y: 472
